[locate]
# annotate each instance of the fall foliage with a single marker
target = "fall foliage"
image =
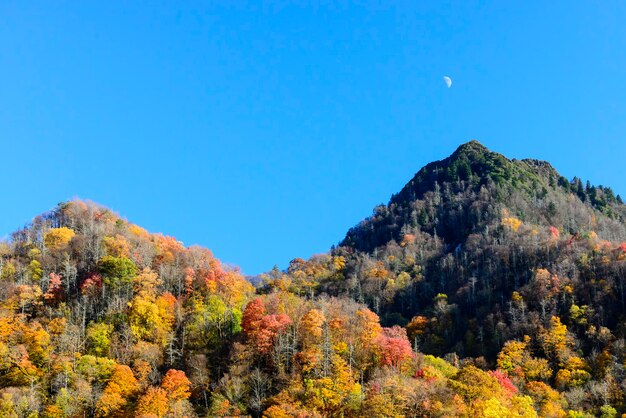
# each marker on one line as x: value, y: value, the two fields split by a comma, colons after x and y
x: 485, y: 288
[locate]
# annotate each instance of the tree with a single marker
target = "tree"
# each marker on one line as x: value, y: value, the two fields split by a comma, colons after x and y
x: 417, y: 327
x: 516, y: 361
x: 262, y: 329
x: 55, y: 289
x: 512, y: 357
x: 555, y: 341
x: 575, y: 372
x: 35, y: 270
x: 152, y: 318
x: 145, y: 284
x: 547, y: 399
x: 312, y: 326
x: 211, y: 322
x: 333, y: 395
x: 176, y: 385
x: 369, y: 326
x: 121, y: 386
x: 252, y: 316
x: 117, y: 246
x: 152, y: 403
x: 271, y: 327
x: 393, y: 347
x: 58, y: 238
x: 99, y: 338
x: 116, y: 272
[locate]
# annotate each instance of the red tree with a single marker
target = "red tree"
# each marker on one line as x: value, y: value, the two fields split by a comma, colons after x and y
x: 252, y: 316
x: 271, y: 326
x: 393, y: 346
x: 55, y: 289
x: 260, y: 328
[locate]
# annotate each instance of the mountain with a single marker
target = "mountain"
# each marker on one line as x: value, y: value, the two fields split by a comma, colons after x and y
x: 469, y: 232
x: 442, y: 199
x: 485, y: 287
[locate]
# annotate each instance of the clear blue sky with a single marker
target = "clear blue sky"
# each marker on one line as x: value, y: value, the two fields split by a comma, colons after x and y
x: 265, y: 132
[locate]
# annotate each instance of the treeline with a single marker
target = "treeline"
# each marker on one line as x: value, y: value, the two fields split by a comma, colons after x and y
x: 100, y: 318
x: 478, y: 250
x: 485, y: 288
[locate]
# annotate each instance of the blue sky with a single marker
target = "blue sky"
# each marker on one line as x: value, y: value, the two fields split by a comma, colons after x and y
x: 265, y: 132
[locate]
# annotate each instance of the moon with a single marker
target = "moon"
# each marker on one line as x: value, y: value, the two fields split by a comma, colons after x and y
x: 447, y: 80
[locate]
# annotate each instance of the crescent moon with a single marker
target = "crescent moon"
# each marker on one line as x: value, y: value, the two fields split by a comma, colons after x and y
x: 448, y: 81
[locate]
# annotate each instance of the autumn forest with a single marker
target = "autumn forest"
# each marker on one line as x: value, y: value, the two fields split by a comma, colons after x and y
x: 486, y: 287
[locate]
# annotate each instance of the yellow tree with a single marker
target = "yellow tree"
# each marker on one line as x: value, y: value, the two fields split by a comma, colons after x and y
x: 152, y: 403
x: 515, y: 359
x: 333, y: 395
x: 555, y: 341
x: 312, y: 323
x: 58, y: 238
x: 151, y: 318
x: 121, y: 386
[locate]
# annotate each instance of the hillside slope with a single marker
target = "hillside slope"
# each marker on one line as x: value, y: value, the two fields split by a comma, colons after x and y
x: 464, y: 192
x: 511, y: 274
x: 471, y: 233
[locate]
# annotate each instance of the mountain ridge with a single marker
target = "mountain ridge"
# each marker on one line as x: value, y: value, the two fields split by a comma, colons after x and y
x: 485, y: 287
x: 472, y: 166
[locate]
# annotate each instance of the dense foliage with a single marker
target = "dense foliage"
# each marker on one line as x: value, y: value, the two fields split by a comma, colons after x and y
x: 485, y: 288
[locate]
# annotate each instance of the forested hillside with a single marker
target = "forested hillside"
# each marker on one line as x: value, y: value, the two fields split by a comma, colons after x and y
x: 487, y: 287
x: 479, y: 255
